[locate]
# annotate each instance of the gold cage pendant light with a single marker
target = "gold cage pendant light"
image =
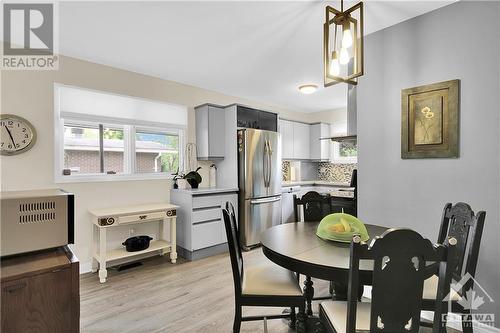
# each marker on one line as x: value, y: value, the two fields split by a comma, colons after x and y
x: 343, y: 54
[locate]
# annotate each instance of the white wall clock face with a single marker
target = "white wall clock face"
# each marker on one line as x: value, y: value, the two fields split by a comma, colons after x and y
x: 17, y: 135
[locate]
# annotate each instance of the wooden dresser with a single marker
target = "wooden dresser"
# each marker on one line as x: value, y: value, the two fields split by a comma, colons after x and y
x: 41, y: 292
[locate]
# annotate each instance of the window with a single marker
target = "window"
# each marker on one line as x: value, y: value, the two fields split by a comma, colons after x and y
x: 152, y: 152
x: 345, y: 152
x: 156, y: 152
x: 99, y: 147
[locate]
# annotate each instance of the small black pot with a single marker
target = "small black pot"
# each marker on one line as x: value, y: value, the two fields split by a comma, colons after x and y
x: 193, y: 183
x: 137, y: 243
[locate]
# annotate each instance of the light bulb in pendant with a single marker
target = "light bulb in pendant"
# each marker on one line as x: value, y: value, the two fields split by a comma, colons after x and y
x: 346, y: 35
x: 334, y: 64
x: 344, y: 56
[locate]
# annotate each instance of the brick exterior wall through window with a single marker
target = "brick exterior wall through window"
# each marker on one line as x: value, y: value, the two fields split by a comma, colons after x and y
x: 88, y: 161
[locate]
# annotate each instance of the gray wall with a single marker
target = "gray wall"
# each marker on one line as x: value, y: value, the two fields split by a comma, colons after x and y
x: 459, y: 41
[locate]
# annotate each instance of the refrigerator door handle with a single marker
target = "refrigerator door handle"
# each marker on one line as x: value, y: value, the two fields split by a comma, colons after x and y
x: 266, y: 200
x: 270, y: 154
x: 266, y: 161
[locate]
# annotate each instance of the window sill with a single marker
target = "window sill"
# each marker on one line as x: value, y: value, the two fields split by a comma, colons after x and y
x: 346, y: 160
x: 110, y: 178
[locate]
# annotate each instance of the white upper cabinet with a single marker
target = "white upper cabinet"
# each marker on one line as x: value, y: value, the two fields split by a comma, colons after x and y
x: 301, y: 140
x: 286, y: 130
x: 319, y: 149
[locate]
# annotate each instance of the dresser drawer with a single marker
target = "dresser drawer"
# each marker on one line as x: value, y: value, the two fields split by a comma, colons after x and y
x: 206, y: 215
x: 206, y: 201
x: 206, y: 234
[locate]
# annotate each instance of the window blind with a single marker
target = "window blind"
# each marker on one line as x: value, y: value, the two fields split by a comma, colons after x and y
x: 88, y: 105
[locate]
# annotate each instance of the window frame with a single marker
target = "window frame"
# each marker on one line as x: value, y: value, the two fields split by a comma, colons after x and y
x: 129, y: 130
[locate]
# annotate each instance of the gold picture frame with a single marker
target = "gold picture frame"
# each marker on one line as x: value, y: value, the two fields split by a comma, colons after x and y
x: 430, y: 121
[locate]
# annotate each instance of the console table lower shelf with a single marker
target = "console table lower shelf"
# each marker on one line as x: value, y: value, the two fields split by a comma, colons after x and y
x: 105, y: 219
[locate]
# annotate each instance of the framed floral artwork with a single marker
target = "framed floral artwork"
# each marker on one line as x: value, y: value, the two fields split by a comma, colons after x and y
x: 430, y: 121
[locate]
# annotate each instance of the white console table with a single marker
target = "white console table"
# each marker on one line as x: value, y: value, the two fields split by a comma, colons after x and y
x: 109, y: 218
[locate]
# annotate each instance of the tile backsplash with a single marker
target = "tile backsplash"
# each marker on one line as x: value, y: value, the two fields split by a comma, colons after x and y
x: 336, y: 172
x: 326, y: 171
x: 285, y: 170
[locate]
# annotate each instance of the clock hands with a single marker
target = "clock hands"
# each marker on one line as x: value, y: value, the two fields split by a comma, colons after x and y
x: 10, y: 134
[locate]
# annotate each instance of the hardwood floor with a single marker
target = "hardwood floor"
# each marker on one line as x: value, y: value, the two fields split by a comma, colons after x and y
x: 162, y: 297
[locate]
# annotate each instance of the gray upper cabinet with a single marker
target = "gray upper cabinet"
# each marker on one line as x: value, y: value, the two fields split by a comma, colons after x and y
x: 286, y: 130
x: 301, y: 140
x: 320, y: 149
x: 210, y: 131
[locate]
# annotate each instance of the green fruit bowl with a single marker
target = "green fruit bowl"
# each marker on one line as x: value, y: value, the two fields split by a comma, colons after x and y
x: 328, y: 228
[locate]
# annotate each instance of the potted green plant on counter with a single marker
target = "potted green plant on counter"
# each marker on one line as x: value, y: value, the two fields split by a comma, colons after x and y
x: 193, y: 178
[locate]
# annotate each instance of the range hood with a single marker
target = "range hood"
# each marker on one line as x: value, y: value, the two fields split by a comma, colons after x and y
x: 352, y: 121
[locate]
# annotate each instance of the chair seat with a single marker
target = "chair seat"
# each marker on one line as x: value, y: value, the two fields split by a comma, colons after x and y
x: 431, y: 287
x: 336, y: 313
x: 269, y: 279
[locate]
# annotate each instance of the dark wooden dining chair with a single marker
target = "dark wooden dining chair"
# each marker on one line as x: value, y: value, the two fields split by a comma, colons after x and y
x: 265, y: 284
x: 315, y: 206
x: 460, y: 222
x: 400, y: 267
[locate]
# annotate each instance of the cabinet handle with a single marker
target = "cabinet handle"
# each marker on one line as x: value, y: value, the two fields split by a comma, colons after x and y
x: 15, y: 287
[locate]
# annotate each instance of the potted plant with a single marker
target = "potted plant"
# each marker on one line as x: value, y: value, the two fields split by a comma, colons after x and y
x: 179, y: 181
x: 193, y: 178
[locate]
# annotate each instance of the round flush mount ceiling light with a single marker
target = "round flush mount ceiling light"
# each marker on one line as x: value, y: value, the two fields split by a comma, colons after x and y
x: 308, y: 88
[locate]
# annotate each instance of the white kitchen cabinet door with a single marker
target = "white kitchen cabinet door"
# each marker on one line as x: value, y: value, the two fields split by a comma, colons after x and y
x: 286, y: 131
x: 301, y: 140
x: 320, y: 149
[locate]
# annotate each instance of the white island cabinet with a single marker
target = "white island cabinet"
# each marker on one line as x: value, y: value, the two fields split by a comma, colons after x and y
x: 201, y: 232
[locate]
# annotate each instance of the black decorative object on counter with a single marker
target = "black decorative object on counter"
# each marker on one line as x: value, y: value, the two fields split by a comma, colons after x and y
x: 137, y: 243
x: 193, y: 178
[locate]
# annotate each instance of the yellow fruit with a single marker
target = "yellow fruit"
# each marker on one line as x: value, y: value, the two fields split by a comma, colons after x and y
x: 347, y: 226
x: 336, y: 227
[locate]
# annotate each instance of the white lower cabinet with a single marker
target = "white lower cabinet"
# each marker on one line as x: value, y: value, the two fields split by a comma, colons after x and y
x: 200, y: 225
x: 205, y: 234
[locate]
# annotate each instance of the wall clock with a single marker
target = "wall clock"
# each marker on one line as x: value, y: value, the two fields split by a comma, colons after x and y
x: 17, y: 135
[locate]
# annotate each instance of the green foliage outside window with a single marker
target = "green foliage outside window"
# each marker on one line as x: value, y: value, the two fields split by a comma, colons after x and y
x: 348, y: 149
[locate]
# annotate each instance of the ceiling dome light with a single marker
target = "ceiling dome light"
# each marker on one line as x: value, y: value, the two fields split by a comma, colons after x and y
x: 308, y: 89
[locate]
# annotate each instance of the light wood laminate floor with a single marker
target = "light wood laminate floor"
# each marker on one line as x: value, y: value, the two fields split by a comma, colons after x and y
x: 163, y: 297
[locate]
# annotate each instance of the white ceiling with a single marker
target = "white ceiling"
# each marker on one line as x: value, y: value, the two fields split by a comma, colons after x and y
x: 256, y: 50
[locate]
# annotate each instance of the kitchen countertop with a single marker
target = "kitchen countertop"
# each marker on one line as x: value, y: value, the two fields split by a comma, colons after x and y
x: 207, y: 190
x: 313, y: 183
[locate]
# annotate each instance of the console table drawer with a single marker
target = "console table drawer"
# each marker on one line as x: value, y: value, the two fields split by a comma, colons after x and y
x: 141, y: 217
x: 206, y: 215
x: 206, y: 234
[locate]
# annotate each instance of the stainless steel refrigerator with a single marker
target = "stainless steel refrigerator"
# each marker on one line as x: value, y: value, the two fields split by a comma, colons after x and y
x: 259, y: 177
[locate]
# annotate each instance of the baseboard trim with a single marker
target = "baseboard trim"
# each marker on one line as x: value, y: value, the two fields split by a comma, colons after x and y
x: 202, y: 253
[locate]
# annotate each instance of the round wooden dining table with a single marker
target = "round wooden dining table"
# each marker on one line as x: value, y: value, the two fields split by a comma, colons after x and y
x: 296, y: 247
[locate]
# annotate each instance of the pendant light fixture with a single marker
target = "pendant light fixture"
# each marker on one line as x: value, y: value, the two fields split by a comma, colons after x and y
x: 343, y: 54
